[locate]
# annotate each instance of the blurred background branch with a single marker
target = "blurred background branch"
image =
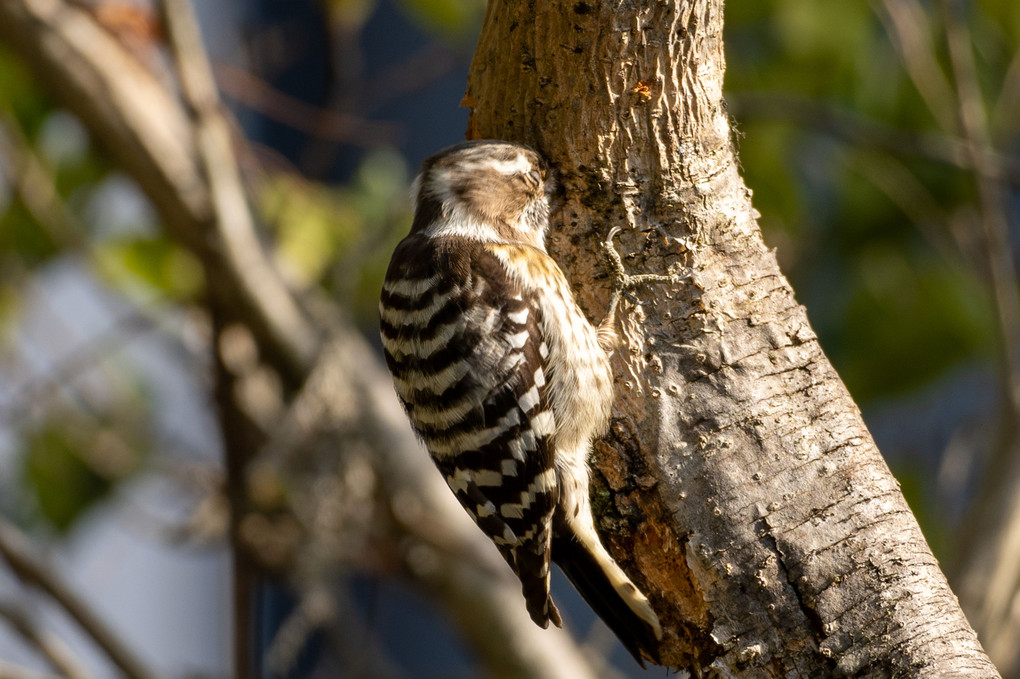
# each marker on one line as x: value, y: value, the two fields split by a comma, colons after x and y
x: 352, y: 492
x: 49, y: 645
x: 15, y: 550
x: 162, y: 304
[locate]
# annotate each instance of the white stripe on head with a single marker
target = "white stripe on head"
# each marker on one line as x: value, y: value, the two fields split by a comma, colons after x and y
x: 519, y: 165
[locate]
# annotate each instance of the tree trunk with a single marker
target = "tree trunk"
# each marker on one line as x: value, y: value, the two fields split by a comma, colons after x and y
x: 739, y: 483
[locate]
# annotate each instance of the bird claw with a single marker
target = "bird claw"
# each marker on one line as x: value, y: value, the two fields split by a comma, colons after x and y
x: 622, y: 281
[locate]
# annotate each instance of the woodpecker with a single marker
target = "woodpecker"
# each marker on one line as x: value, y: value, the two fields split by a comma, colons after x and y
x: 503, y: 377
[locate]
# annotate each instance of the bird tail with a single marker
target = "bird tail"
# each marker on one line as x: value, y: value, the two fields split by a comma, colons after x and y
x: 609, y: 592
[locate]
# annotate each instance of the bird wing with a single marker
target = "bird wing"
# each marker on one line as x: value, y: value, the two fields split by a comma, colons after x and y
x: 464, y: 343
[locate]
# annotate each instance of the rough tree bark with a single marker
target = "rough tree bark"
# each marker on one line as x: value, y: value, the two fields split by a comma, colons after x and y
x: 739, y: 482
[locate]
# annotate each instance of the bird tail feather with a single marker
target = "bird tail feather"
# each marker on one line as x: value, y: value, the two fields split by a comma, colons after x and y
x: 610, y: 593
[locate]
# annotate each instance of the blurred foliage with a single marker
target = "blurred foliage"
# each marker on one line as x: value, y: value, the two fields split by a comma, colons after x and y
x: 350, y: 13
x: 457, y: 21
x: 341, y: 237
x: 70, y: 462
x: 916, y: 489
x: 68, y: 458
x: 24, y: 97
x: 72, y: 443
x: 893, y: 309
x: 155, y: 263
x: 22, y: 242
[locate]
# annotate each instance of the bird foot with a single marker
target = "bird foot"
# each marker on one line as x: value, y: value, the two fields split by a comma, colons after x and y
x: 623, y: 281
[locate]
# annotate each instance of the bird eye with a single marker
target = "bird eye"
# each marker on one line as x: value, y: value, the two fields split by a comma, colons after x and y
x: 534, y: 178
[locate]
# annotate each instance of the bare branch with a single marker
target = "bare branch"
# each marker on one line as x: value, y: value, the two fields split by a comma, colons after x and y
x: 149, y: 133
x: 34, y: 185
x: 38, y: 390
x: 15, y: 549
x: 259, y: 280
x: 319, y: 122
x: 48, y: 644
x: 990, y: 557
x: 906, y: 22
x: 37, y: 187
x: 200, y: 200
x: 346, y: 422
x: 354, y: 643
x: 12, y: 671
x: 973, y: 125
x: 859, y: 130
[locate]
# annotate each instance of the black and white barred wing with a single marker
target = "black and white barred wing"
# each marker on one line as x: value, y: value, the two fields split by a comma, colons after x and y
x: 467, y: 357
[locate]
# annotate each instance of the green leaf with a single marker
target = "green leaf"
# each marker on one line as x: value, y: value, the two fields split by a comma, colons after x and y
x: 454, y: 20
x: 23, y: 239
x: 905, y: 326
x: 154, y: 262
x: 70, y: 465
x: 311, y: 222
x: 340, y: 237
